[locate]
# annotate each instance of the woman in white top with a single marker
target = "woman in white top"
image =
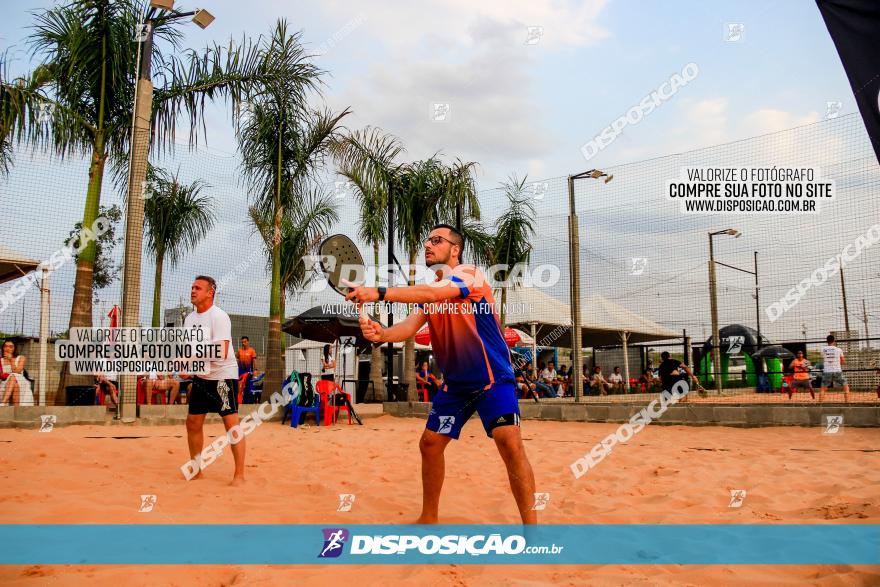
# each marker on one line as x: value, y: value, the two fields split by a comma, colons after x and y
x: 13, y: 384
x: 328, y: 363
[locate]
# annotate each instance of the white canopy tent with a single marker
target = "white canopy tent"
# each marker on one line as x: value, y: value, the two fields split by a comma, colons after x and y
x: 603, y: 322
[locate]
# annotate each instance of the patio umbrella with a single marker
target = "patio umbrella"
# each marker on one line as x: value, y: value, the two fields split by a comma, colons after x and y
x: 774, y: 352
x: 323, y: 324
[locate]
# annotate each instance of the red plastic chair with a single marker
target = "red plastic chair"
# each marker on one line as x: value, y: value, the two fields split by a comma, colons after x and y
x: 336, y: 409
x: 141, y: 391
x: 423, y: 390
x: 324, y: 388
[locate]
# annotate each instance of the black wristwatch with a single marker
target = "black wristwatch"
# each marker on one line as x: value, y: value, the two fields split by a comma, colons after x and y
x: 382, y: 291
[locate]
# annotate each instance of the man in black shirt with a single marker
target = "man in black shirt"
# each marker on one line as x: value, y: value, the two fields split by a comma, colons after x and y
x: 670, y: 371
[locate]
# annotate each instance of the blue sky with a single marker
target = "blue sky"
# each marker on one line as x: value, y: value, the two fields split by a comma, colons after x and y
x: 528, y: 108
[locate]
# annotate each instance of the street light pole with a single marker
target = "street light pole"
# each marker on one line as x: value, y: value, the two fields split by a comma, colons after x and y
x: 575, y: 269
x: 716, y: 338
x: 757, y: 302
x: 137, y: 174
x: 713, y: 295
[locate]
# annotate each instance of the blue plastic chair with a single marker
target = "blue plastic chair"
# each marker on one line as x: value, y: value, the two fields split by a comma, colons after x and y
x: 295, y: 410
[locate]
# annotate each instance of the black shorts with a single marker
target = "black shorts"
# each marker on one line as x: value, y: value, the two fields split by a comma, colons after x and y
x: 219, y: 396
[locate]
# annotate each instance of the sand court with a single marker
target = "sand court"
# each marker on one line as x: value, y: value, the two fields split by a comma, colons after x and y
x: 664, y: 475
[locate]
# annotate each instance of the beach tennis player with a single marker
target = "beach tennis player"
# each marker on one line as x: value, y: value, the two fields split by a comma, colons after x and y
x: 469, y: 348
x: 215, y: 391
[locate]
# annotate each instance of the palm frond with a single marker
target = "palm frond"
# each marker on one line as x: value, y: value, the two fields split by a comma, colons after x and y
x: 177, y: 216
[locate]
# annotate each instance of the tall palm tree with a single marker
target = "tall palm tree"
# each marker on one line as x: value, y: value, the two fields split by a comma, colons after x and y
x: 283, y: 146
x: 425, y: 193
x: 302, y: 230
x: 79, y: 99
x: 510, y: 243
x: 367, y: 158
x: 176, y: 218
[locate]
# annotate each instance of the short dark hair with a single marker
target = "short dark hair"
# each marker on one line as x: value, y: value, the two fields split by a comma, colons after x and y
x: 210, y: 281
x: 664, y: 355
x: 245, y: 338
x: 457, y: 236
x: 829, y: 339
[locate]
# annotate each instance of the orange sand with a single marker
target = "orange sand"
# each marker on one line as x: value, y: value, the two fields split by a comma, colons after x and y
x: 666, y: 474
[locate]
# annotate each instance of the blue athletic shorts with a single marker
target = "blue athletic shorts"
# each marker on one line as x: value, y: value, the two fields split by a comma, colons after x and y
x: 497, y: 406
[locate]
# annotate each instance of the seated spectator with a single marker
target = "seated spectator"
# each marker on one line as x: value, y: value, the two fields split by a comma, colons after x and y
x: 564, y: 378
x: 426, y: 379
x: 441, y: 384
x: 616, y: 381
x: 598, y: 381
x: 15, y: 388
x: 162, y: 382
x: 107, y: 384
x: 526, y: 387
x: 646, y: 381
x: 549, y: 380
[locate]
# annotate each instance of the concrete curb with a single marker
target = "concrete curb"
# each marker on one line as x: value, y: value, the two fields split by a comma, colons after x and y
x: 690, y: 414
x: 148, y: 415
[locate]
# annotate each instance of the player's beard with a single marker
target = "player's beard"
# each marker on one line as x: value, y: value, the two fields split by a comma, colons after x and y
x: 437, y: 260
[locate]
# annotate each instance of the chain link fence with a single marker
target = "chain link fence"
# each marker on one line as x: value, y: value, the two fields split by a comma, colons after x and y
x: 644, y: 270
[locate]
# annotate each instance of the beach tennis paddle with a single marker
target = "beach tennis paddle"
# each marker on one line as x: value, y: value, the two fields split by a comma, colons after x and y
x: 343, y: 265
x: 341, y: 262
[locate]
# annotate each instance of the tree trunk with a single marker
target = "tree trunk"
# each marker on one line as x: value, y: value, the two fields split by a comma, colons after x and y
x: 274, y: 370
x: 409, y: 347
x: 81, y: 309
x: 157, y: 290
x: 375, y: 391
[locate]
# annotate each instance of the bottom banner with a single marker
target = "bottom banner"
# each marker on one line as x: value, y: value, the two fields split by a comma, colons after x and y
x: 630, y: 544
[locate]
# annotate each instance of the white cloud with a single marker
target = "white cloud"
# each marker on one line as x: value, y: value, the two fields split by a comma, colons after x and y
x: 448, y: 23
x: 767, y: 120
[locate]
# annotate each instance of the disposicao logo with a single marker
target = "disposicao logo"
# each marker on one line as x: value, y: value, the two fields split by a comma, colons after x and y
x: 334, y: 540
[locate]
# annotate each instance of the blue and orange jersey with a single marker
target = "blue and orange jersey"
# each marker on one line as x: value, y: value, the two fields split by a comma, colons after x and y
x: 466, y: 334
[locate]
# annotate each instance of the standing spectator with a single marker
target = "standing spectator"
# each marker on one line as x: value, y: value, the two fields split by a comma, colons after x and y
x: 328, y: 363
x: 832, y: 368
x: 801, y: 379
x: 616, y: 381
x: 14, y: 386
x: 246, y: 356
